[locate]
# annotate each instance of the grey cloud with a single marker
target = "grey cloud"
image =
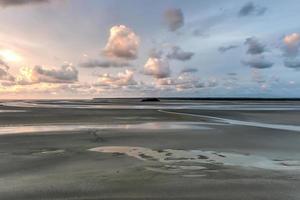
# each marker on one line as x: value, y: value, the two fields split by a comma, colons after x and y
x: 224, y: 49
x: 258, y: 62
x: 155, y: 53
x: 7, y: 3
x: 251, y: 9
x: 185, y: 82
x: 5, y: 76
x: 104, y: 64
x: 292, y: 63
x: 174, y: 19
x: 82, y: 88
x: 3, y: 64
x: 232, y: 74
x: 189, y: 70
x: 290, y: 51
x: 258, y: 78
x: 191, y: 85
x: 254, y: 46
x: 200, y: 32
x: 231, y: 80
x: 39, y: 74
x: 67, y: 74
x: 212, y: 83
x: 178, y: 54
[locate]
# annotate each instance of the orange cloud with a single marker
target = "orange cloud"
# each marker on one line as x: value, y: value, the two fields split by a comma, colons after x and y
x: 159, y: 68
x: 122, y: 43
x: 292, y: 39
x: 122, y: 79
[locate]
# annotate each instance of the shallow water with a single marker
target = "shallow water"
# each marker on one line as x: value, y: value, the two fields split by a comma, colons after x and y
x: 72, y: 127
x: 239, y: 122
x: 209, y: 123
x: 12, y: 111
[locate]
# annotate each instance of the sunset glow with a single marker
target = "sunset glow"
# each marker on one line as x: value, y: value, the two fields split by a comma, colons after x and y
x: 145, y: 99
x: 172, y: 48
x: 10, y: 56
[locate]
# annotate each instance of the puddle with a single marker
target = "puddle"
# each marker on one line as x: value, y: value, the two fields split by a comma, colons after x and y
x: 53, y: 151
x: 48, y: 151
x: 12, y: 111
x: 136, y: 118
x: 239, y: 122
x: 194, y: 163
x: 64, y: 127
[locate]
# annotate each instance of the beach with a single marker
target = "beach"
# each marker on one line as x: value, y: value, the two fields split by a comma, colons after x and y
x: 116, y: 149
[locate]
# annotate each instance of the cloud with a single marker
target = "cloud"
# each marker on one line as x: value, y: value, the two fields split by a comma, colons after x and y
x: 292, y: 63
x: 254, y: 46
x: 122, y: 43
x: 292, y: 39
x: 257, y: 77
x: 189, y: 70
x: 66, y: 74
x: 7, y: 3
x: 189, y: 82
x: 182, y: 82
x: 6, y: 76
x: 39, y: 74
x: 74, y: 88
x: 165, y: 81
x: 3, y: 64
x: 251, y: 9
x: 213, y: 82
x: 104, y: 64
x: 230, y: 80
x: 232, y: 74
x: 156, y: 53
x: 291, y: 44
x: 158, y: 68
x: 174, y: 19
x: 224, y: 49
x: 258, y: 62
x: 121, y: 80
x: 178, y: 54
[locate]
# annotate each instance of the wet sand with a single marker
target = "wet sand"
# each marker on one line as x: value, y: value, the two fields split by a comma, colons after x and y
x: 64, y: 152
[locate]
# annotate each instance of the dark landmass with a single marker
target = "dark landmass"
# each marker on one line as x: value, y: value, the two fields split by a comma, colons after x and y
x: 206, y: 99
x: 150, y: 100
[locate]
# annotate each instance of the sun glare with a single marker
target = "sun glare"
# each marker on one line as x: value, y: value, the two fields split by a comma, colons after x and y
x: 10, y: 56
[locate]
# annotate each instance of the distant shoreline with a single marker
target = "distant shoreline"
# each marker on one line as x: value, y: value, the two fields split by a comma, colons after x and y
x: 163, y: 98
x: 211, y: 98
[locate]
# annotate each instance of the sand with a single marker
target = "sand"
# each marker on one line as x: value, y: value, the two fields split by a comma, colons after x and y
x: 176, y: 157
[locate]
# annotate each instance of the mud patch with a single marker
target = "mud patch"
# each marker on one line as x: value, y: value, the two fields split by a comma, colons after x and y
x: 194, y: 163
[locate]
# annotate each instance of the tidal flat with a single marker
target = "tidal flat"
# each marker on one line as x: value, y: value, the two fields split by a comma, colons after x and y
x: 116, y: 149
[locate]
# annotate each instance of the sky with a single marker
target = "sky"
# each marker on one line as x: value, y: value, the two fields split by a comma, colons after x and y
x: 58, y: 49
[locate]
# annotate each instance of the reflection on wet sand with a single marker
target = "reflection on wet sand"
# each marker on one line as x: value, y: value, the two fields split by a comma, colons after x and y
x: 239, y: 122
x: 12, y: 111
x: 242, y: 106
x: 192, y: 163
x: 72, y: 127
